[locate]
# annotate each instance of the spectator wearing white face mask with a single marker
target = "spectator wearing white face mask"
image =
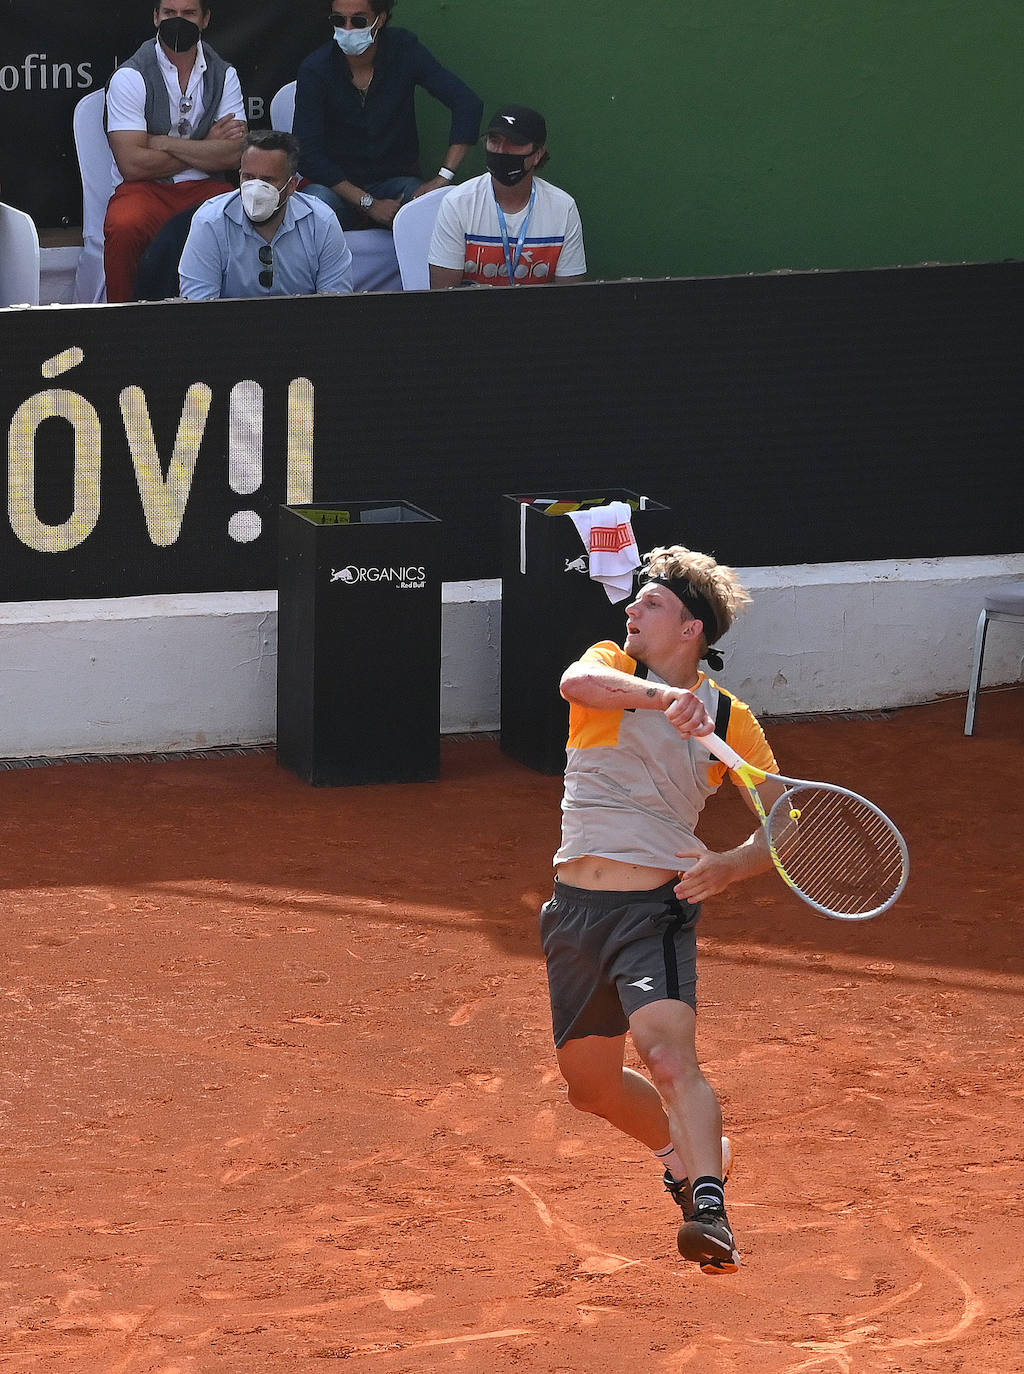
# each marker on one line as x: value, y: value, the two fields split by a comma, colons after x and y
x: 266, y: 238
x: 355, y: 115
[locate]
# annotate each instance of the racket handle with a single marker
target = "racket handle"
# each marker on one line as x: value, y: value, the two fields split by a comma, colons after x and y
x: 724, y: 751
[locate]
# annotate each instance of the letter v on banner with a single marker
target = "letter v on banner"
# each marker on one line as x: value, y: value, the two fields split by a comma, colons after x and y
x: 164, y: 498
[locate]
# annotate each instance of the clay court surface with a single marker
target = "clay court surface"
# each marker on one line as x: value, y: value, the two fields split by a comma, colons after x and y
x: 277, y: 1091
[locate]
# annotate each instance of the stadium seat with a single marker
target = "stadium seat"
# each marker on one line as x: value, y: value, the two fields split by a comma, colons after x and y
x: 1004, y: 603
x: 282, y: 109
x: 94, y: 165
x: 19, y: 258
x: 413, y: 227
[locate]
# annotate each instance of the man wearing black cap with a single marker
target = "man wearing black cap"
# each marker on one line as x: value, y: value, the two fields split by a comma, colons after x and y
x: 620, y: 931
x: 508, y: 227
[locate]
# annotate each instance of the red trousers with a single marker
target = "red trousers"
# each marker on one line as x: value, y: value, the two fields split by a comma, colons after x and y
x: 137, y: 211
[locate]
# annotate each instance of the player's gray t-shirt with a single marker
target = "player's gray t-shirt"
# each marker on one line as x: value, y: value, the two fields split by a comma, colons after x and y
x: 634, y: 788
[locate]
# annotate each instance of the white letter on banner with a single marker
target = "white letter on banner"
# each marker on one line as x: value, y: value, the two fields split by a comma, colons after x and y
x: 21, y: 482
x: 245, y: 438
x: 164, y: 499
x: 245, y: 456
x: 301, y: 412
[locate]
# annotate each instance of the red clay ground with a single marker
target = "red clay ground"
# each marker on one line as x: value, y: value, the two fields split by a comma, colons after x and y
x: 277, y: 1091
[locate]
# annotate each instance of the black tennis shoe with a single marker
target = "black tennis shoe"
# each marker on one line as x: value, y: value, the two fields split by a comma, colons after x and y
x: 679, y: 1189
x: 681, y: 1193
x: 707, y: 1240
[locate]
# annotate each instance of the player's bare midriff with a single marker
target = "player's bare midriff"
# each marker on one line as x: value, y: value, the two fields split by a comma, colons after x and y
x: 612, y: 875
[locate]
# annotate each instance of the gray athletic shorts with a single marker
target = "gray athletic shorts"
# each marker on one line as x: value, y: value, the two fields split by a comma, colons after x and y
x: 609, y: 953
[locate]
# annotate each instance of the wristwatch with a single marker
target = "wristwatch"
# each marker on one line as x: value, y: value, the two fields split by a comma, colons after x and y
x: 365, y: 201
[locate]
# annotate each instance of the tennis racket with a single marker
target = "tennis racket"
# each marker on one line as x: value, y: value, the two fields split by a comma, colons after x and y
x: 835, y: 849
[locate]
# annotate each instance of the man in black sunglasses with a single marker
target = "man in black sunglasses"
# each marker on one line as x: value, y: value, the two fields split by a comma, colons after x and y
x: 355, y: 115
x: 175, y: 122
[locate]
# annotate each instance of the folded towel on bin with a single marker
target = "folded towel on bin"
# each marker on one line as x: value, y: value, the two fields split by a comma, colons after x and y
x: 607, y: 534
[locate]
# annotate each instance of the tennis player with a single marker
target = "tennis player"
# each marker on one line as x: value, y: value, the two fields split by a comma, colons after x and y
x: 619, y: 932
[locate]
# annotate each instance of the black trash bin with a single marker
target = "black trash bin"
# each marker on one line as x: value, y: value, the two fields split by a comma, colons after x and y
x: 551, y: 611
x: 359, y: 642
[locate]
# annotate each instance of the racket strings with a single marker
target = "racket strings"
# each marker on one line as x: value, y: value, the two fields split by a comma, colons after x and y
x: 837, y: 850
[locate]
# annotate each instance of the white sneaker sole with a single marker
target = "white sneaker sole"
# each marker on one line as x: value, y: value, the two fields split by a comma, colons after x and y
x: 727, y: 1157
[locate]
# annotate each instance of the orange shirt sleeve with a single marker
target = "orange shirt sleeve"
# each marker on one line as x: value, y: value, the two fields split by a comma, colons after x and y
x: 609, y: 654
x: 748, y: 739
x: 590, y: 728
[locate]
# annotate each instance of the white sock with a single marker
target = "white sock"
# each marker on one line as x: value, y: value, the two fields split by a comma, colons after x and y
x: 670, y: 1160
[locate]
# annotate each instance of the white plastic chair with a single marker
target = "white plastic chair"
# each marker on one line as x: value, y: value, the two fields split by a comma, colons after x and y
x: 1003, y: 603
x: 413, y: 228
x: 282, y: 109
x: 94, y: 165
x: 19, y: 258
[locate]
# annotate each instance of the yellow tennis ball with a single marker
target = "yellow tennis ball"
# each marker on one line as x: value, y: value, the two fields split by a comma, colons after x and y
x: 794, y: 814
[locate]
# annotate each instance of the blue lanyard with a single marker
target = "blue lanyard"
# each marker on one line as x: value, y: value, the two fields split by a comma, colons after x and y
x: 512, y: 261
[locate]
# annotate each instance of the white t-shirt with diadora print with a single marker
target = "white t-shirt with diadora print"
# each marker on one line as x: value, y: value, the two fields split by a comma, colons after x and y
x: 467, y: 236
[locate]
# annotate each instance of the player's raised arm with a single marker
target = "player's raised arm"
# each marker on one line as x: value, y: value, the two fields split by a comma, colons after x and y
x: 603, y: 688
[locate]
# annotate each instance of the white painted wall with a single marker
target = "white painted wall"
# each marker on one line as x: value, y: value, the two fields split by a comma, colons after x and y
x: 470, y: 656
x: 865, y: 636
x: 155, y: 673
x: 136, y: 674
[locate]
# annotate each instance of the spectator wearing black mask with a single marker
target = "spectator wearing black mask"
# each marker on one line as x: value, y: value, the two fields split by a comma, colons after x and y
x: 508, y: 227
x: 175, y: 121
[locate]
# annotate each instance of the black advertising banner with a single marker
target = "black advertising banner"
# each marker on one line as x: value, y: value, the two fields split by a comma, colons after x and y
x: 799, y: 418
x: 54, y: 53
x: 148, y: 447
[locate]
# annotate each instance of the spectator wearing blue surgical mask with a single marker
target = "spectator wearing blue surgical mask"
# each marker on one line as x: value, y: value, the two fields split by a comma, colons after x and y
x: 355, y: 115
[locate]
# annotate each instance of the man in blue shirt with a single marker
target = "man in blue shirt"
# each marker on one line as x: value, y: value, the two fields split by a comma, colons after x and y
x: 265, y: 239
x: 355, y: 115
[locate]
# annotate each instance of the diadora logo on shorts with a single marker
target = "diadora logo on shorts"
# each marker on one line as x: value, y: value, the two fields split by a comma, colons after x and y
x: 403, y: 578
x: 580, y: 565
x: 644, y: 984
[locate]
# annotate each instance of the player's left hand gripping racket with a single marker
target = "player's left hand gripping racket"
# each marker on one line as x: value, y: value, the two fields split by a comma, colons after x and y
x: 835, y: 849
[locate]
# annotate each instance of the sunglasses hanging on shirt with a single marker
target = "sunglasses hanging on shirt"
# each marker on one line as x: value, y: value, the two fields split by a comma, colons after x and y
x: 267, y: 258
x: 184, y: 128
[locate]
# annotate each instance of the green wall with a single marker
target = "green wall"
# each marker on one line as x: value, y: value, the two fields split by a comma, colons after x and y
x: 714, y: 136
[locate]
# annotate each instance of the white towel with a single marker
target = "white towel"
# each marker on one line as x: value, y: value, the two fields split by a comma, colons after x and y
x: 607, y: 534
